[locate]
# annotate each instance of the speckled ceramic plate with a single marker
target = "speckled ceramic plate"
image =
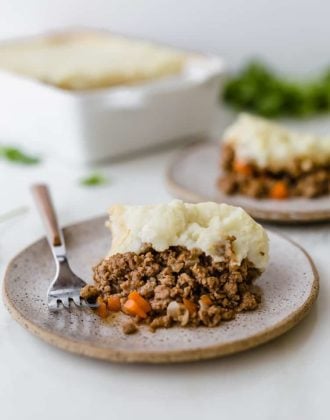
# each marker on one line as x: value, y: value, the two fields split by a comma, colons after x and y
x: 193, y: 174
x: 289, y: 287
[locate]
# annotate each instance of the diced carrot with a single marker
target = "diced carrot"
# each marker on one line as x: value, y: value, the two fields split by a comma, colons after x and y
x: 114, y: 304
x: 102, y: 309
x: 242, y: 168
x: 206, y: 300
x: 279, y: 191
x: 132, y: 308
x: 192, y: 309
x: 144, y: 304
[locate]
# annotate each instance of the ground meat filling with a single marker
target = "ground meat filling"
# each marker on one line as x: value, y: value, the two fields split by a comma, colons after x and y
x: 183, y: 287
x: 303, y: 179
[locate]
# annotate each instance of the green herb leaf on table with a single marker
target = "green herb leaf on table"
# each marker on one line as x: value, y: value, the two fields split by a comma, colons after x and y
x: 13, y: 213
x: 94, y: 179
x: 260, y: 90
x: 15, y: 155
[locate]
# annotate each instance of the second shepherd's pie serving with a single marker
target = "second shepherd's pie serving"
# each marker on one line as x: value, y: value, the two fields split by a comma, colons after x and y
x: 179, y: 264
x: 265, y: 160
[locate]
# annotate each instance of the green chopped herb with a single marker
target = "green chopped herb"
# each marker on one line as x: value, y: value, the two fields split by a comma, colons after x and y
x: 15, y: 155
x: 260, y: 90
x: 13, y: 213
x: 94, y: 179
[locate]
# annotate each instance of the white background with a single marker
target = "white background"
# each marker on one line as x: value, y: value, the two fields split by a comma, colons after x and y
x: 287, y: 379
x: 293, y: 35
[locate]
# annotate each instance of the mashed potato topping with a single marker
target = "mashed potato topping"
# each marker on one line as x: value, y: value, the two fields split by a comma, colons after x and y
x: 272, y: 146
x: 204, y: 226
x: 89, y: 60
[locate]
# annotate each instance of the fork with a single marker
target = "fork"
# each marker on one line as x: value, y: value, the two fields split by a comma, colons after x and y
x: 65, y: 287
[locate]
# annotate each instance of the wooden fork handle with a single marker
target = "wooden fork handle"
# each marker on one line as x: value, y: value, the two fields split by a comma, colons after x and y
x: 45, y: 206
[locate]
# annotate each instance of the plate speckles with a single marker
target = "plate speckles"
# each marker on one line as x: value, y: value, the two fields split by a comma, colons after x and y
x: 193, y: 174
x: 289, y: 287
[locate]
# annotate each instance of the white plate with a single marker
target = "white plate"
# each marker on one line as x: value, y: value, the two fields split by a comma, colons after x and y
x: 193, y: 174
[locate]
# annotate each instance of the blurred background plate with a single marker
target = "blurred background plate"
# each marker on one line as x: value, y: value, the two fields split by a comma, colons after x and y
x: 193, y: 174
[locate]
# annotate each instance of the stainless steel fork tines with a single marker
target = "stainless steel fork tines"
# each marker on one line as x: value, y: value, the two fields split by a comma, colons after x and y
x: 65, y: 287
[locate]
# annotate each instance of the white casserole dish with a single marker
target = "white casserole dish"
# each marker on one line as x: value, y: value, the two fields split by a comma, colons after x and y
x: 89, y: 126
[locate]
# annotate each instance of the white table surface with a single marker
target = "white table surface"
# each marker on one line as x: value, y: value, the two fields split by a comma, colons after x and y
x: 288, y: 378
